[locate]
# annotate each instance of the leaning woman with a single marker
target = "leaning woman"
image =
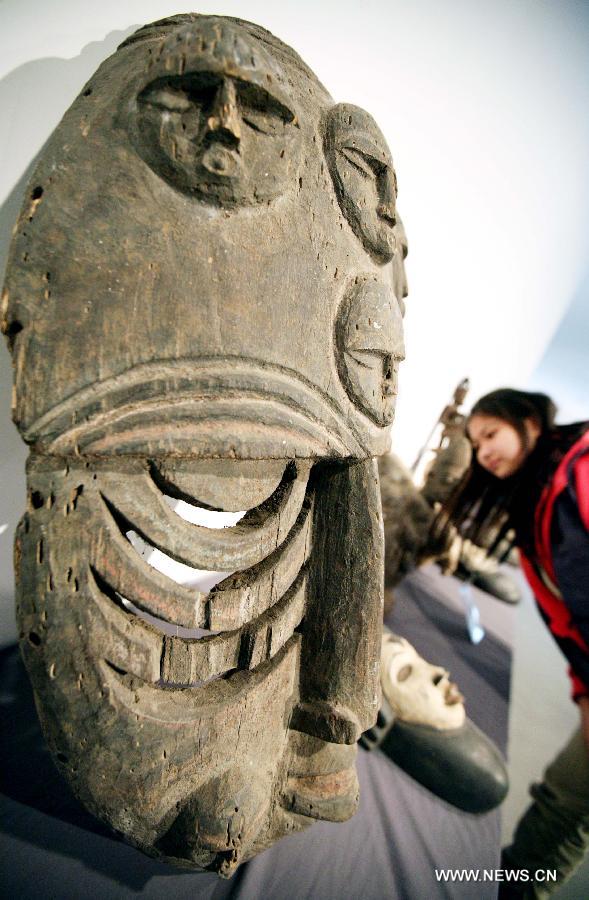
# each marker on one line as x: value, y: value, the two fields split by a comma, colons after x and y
x: 530, y: 477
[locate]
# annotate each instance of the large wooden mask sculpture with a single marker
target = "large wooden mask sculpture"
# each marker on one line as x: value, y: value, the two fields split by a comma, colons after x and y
x: 201, y: 305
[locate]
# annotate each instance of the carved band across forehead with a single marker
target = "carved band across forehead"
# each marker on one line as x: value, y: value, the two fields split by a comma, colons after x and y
x: 210, y: 405
x: 281, y: 52
x: 220, y: 48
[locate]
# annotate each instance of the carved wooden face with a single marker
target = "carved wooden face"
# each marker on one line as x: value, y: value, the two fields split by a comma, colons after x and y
x: 181, y: 223
x: 362, y: 170
x: 418, y: 691
x: 370, y: 338
x: 223, y: 130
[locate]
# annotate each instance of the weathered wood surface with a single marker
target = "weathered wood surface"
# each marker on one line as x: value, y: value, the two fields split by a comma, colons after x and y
x: 203, y: 302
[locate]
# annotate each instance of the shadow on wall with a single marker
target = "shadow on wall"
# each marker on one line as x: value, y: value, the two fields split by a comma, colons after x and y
x: 33, y: 99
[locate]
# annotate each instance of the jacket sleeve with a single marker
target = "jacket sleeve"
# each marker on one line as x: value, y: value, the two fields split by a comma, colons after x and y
x: 570, y: 558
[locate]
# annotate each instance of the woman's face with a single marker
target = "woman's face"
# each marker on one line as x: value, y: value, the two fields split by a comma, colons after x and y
x: 498, y: 447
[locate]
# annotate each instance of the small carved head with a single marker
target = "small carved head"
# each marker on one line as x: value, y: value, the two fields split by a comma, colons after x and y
x: 418, y: 691
x: 363, y: 176
x: 213, y: 119
x: 369, y: 338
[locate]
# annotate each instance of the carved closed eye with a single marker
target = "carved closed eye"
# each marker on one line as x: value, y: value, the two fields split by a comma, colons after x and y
x: 263, y: 122
x: 257, y: 108
x: 369, y: 357
x: 404, y: 673
x: 367, y: 166
x: 179, y: 98
x: 260, y: 110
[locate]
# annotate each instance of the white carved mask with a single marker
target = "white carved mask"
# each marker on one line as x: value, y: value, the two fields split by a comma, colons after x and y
x: 417, y: 691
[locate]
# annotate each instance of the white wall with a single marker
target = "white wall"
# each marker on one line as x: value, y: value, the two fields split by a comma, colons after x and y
x: 484, y: 105
x: 563, y: 371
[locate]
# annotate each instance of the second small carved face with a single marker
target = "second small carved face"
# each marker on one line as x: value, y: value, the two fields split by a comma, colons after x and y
x: 221, y: 129
x: 369, y: 338
x: 364, y: 179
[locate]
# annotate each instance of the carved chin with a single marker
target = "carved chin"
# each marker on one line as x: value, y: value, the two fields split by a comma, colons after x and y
x: 376, y: 234
x: 381, y: 239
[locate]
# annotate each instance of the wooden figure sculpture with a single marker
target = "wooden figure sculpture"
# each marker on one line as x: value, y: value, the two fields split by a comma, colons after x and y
x: 203, y: 302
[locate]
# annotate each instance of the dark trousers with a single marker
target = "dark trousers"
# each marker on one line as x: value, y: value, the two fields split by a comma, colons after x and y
x: 554, y: 831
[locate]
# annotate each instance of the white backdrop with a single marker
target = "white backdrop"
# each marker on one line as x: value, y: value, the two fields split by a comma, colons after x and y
x: 484, y: 105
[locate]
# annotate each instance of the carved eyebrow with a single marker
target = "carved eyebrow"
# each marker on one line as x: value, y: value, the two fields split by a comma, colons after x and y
x: 374, y: 352
x: 180, y: 94
x: 367, y: 146
x: 366, y: 165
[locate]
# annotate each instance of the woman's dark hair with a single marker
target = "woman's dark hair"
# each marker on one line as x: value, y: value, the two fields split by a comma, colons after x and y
x: 515, y: 407
x: 485, y: 509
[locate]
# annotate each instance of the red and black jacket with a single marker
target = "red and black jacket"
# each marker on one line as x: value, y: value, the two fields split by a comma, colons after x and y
x: 559, y: 573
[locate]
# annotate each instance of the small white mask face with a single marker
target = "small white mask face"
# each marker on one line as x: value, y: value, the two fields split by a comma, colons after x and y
x: 418, y: 692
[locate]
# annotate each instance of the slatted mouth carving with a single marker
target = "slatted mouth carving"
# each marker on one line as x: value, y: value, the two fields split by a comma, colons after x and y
x: 136, y: 503
x: 187, y: 703
x: 171, y: 635
x: 200, y: 580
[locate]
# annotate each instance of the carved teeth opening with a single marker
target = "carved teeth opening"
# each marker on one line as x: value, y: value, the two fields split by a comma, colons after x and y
x: 221, y: 485
x: 167, y: 627
x: 201, y: 579
x: 199, y: 515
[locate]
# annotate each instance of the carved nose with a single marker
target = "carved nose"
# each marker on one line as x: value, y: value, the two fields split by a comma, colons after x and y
x: 386, y: 207
x: 224, y: 119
